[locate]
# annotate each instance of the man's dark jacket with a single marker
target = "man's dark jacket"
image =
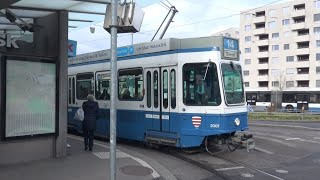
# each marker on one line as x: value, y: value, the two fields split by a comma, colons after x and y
x: 90, y: 109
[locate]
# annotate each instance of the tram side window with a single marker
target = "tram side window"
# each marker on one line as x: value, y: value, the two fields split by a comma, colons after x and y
x: 69, y: 90
x: 315, y: 98
x: 165, y: 89
x: 84, y: 85
x: 264, y: 97
x: 155, y: 89
x: 73, y: 91
x: 288, y: 98
x: 103, y: 86
x: 130, y: 85
x: 201, y: 85
x: 173, y: 88
x: 148, y: 89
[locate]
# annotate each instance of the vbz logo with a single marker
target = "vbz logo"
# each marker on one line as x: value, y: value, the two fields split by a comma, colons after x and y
x: 8, y: 42
x: 214, y: 125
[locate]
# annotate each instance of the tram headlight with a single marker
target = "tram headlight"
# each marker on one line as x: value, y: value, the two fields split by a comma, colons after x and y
x: 237, y: 121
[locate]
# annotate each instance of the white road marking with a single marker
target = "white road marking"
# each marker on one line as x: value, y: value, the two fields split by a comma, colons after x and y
x: 281, y: 171
x: 293, y: 139
x: 263, y: 150
x: 230, y: 168
x: 316, y: 137
x: 269, y: 174
x: 247, y: 175
x: 154, y: 174
x: 275, y: 140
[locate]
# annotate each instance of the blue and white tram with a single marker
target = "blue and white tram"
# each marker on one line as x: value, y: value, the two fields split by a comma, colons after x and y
x: 176, y: 92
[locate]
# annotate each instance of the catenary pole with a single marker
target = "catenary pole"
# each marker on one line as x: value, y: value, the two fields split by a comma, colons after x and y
x: 113, y: 110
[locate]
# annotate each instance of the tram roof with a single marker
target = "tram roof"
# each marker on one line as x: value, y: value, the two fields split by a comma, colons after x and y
x: 210, y: 43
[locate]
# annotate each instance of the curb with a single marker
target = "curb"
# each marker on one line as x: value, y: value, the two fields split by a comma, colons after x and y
x: 286, y: 126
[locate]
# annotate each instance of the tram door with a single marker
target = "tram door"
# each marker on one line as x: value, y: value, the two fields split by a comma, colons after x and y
x: 71, y: 95
x: 160, y: 91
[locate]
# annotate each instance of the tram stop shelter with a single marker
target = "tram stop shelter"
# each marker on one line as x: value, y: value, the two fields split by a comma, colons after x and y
x: 33, y: 73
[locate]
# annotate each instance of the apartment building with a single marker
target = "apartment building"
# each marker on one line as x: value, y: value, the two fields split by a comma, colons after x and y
x: 280, y: 50
x: 280, y: 47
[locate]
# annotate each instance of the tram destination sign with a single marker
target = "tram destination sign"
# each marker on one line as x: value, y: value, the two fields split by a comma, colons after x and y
x: 230, y: 48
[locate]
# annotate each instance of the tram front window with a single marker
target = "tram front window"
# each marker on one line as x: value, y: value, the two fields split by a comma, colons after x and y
x: 201, y: 85
x: 233, y: 84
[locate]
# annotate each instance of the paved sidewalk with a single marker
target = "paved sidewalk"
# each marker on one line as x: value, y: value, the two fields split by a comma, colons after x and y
x: 84, y: 165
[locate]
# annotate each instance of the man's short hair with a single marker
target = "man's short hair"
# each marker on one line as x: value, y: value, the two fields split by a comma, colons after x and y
x: 90, y: 97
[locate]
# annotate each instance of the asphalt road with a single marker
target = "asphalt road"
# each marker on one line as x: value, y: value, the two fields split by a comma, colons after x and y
x: 285, y: 152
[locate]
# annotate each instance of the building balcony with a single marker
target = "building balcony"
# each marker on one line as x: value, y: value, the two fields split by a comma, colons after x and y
x: 298, y: 13
x: 263, y: 66
x: 302, y: 51
x: 259, y: 19
x: 263, y: 54
x: 262, y: 77
x: 301, y: 77
x: 259, y: 31
x: 302, y: 38
x: 264, y: 42
x: 301, y: 25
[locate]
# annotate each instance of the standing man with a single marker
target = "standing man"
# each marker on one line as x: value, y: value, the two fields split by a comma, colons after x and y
x: 90, y: 109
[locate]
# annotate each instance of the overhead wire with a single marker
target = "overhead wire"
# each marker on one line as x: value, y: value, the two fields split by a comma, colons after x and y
x: 197, y: 22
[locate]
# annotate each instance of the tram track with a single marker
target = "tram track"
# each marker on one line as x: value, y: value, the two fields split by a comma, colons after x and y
x: 209, y: 167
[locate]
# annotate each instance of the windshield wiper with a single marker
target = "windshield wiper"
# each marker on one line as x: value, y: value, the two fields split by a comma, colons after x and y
x: 205, y: 75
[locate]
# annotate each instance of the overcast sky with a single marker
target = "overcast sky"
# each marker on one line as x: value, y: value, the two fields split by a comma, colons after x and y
x: 195, y: 18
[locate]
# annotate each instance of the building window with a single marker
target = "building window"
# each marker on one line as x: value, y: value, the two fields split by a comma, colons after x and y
x: 275, y: 83
x: 303, y: 83
x: 286, y: 33
x: 247, y: 50
x: 317, y: 83
x: 290, y: 84
x: 247, y: 38
x: 247, y: 27
x: 272, y: 24
x: 286, y: 46
x: 272, y: 13
x: 248, y: 16
x: 316, y: 17
x: 247, y: 61
x: 275, y: 47
x: 275, y: 35
x: 318, y: 56
x: 275, y: 60
x: 263, y: 83
x: 286, y: 22
x: 290, y: 58
x: 317, y: 4
x: 318, y: 43
x: 286, y: 10
x: 290, y: 70
x: 318, y: 69
x: 246, y: 84
x: 316, y: 30
x: 246, y: 73
x: 275, y: 71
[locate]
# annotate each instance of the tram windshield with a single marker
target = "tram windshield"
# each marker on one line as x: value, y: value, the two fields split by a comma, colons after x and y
x: 201, y: 85
x: 233, y: 84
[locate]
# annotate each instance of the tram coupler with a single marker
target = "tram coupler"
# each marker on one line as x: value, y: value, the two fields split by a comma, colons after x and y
x: 245, y: 140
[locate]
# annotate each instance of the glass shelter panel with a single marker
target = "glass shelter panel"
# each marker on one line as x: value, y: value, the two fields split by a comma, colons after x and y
x: 30, y: 98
